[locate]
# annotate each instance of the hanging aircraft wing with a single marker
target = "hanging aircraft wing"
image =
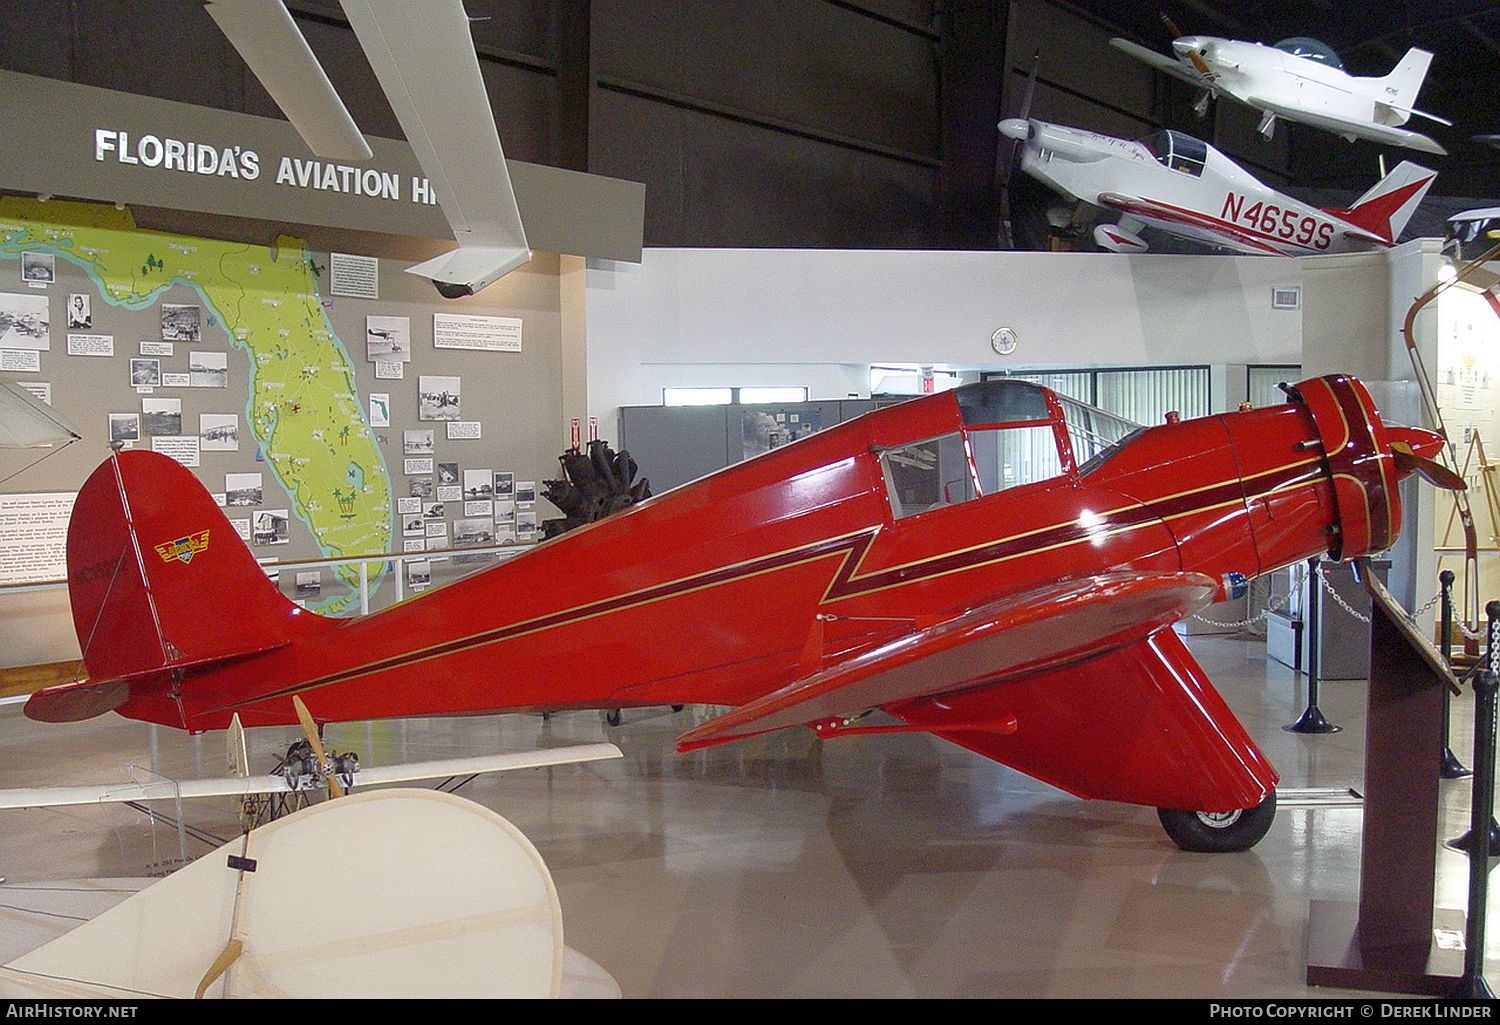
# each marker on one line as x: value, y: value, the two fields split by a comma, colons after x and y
x: 1023, y: 634
x: 1171, y: 65
x: 1344, y: 126
x: 1245, y: 239
x: 424, y: 56
x: 240, y: 786
x: 271, y: 44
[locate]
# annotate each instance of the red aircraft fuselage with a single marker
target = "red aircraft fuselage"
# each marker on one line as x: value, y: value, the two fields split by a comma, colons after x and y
x: 950, y: 564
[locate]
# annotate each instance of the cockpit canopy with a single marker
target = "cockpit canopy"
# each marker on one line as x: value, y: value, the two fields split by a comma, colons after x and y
x: 1014, y: 433
x: 1311, y: 49
x: 1177, y: 151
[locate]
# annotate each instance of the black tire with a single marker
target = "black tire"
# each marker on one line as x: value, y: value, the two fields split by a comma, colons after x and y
x: 612, y: 717
x: 1219, y: 833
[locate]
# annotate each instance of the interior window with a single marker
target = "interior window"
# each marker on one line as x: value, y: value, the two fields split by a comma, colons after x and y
x: 1008, y: 457
x: 927, y: 475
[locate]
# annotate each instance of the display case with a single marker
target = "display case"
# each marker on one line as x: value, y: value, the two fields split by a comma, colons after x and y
x: 1343, y: 619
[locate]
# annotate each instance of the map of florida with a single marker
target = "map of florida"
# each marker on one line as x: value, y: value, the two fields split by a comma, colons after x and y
x: 303, y: 406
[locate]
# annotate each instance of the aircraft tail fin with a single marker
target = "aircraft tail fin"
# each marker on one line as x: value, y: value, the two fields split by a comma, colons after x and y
x: 1399, y: 89
x: 1385, y: 209
x: 159, y: 581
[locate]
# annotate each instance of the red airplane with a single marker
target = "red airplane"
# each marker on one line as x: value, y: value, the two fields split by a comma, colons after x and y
x: 974, y: 564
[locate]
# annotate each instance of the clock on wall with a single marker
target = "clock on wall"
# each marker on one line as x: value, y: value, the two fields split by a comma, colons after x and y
x: 1004, y: 340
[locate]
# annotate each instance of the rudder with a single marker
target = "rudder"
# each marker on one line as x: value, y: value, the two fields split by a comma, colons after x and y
x: 1384, y: 210
x: 157, y: 577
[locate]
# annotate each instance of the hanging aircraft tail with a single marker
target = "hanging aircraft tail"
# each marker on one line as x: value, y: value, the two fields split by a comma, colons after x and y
x: 160, y: 583
x: 1384, y: 211
x: 1398, y: 90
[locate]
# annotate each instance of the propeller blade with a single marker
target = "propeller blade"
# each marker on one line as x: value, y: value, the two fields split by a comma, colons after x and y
x: 1192, y: 55
x: 1036, y: 61
x: 231, y: 952
x: 1430, y: 470
x: 310, y: 730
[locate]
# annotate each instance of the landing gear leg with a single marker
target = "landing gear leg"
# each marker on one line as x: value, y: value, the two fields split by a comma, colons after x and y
x: 1219, y: 832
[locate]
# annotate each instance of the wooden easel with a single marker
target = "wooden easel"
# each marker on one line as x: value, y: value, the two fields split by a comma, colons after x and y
x: 1487, y: 471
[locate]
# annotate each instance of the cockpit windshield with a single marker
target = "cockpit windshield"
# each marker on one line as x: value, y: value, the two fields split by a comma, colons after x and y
x: 1177, y: 151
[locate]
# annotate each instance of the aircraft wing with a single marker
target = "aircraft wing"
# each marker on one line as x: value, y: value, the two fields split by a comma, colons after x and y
x: 1023, y: 634
x: 424, y: 56
x: 241, y: 786
x: 1233, y: 235
x: 1345, y: 126
x: 1160, y: 61
x: 271, y: 44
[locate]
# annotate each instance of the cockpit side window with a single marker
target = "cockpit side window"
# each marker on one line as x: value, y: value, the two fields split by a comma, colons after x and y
x: 927, y: 475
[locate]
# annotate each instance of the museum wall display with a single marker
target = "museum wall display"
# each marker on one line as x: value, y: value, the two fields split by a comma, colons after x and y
x: 333, y: 403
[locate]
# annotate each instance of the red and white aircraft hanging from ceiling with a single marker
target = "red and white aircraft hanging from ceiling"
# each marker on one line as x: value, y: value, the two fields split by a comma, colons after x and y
x: 1182, y: 186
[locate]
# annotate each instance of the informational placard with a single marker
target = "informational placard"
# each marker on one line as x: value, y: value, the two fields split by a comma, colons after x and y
x: 181, y: 447
x: 463, y: 430
x: 25, y: 361
x: 151, y: 348
x: 354, y: 276
x: 40, y: 390
x: 33, y: 536
x: 389, y: 370
x: 91, y: 345
x: 471, y: 331
x: 417, y: 465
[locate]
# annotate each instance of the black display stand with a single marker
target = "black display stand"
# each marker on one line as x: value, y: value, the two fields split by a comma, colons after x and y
x: 1449, y: 767
x: 1312, y: 719
x: 1387, y: 942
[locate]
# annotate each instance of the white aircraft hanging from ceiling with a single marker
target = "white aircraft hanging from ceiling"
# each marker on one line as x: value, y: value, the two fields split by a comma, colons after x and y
x: 423, y: 54
x: 1302, y: 80
x: 1184, y: 187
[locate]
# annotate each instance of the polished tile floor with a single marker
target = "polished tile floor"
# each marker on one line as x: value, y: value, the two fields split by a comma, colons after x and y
x: 883, y: 866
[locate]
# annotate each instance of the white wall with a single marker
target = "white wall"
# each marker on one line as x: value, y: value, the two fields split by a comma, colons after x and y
x: 736, y: 316
x: 819, y: 318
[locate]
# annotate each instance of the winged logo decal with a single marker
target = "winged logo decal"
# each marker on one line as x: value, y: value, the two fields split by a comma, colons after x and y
x: 184, y: 548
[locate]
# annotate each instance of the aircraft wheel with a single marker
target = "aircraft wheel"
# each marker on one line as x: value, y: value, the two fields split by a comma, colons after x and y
x: 612, y: 717
x: 1219, y: 832
x: 676, y: 708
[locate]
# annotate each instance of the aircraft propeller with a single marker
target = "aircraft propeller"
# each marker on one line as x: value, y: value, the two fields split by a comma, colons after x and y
x: 1430, y: 470
x: 1187, y: 51
x: 310, y: 731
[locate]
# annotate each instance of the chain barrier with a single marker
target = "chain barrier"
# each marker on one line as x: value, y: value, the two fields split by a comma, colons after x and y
x: 1275, y: 606
x: 1327, y: 586
x: 1339, y: 599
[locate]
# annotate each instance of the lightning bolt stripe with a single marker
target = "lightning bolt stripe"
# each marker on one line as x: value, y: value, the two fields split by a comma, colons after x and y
x: 847, y: 580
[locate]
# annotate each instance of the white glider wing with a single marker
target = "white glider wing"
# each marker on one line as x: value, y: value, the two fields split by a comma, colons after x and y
x: 270, y: 42
x: 241, y: 786
x: 424, y: 56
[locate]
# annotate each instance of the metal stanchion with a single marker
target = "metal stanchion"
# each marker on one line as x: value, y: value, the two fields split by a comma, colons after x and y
x: 1486, y: 685
x: 1312, y: 719
x: 1449, y: 767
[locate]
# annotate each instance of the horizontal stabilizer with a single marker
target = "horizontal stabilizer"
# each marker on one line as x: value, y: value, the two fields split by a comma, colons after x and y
x: 1025, y: 633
